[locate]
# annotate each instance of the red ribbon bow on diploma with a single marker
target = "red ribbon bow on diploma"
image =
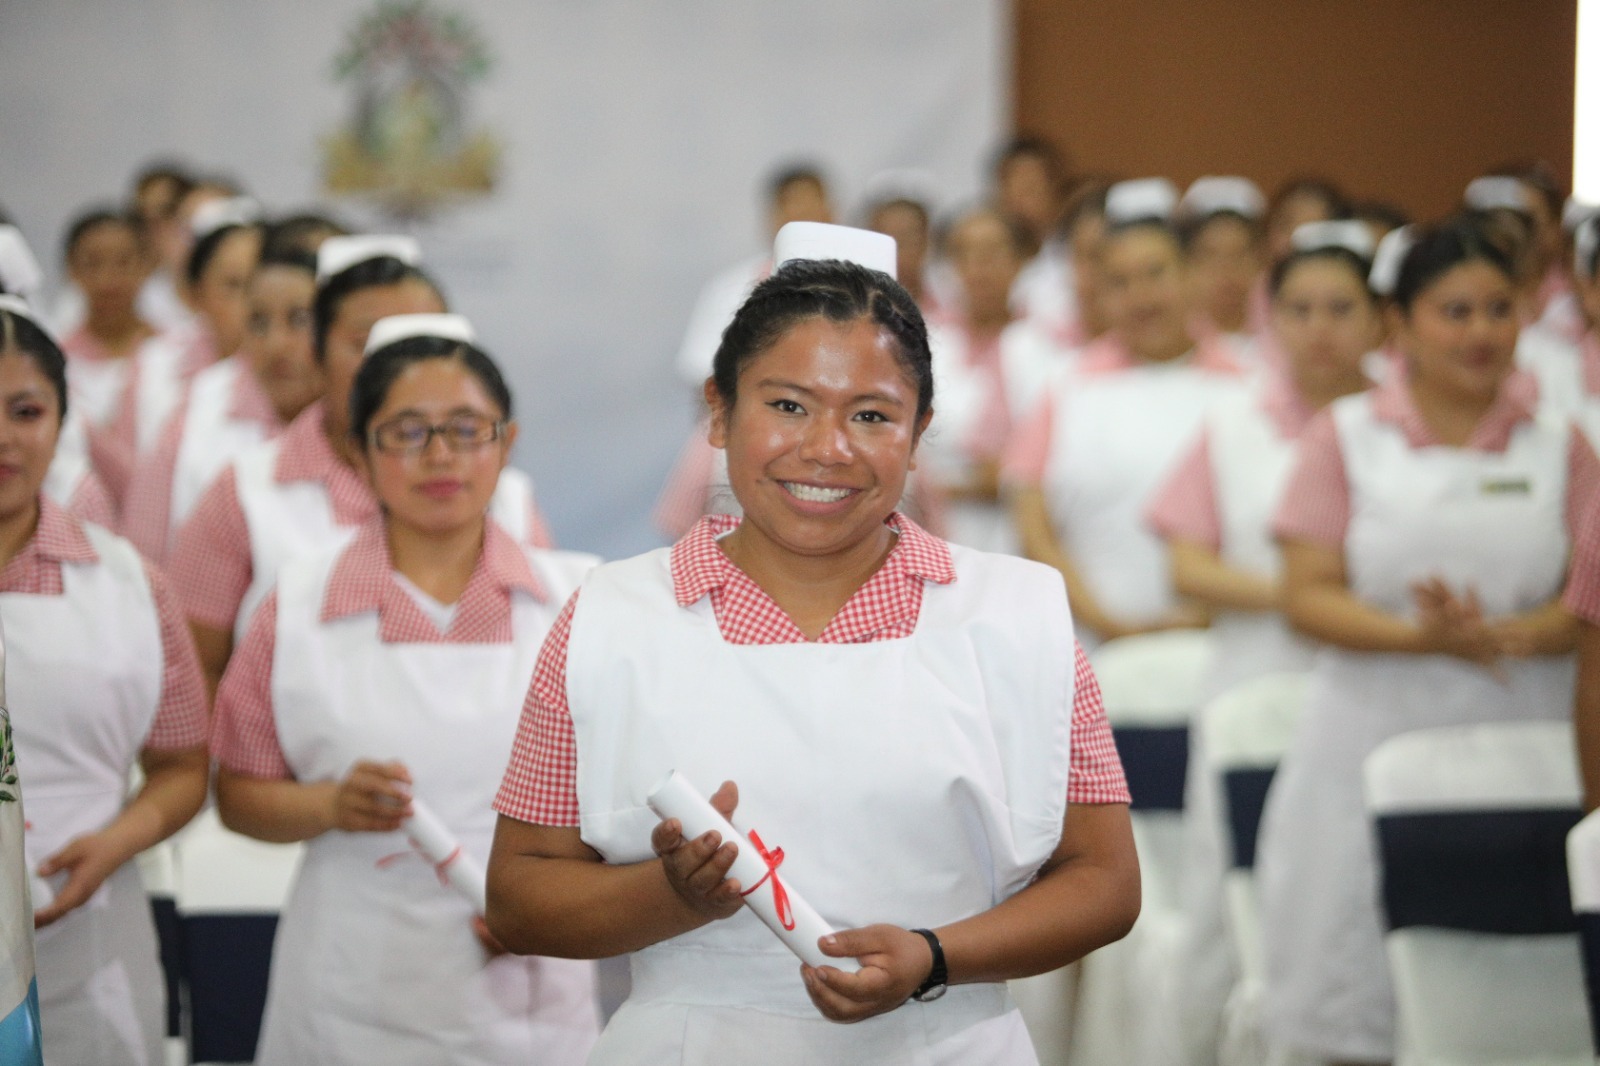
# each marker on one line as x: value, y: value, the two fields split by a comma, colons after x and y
x: 780, y: 898
x: 440, y: 869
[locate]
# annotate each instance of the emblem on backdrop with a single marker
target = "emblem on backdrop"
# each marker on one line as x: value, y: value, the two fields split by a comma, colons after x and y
x: 409, y: 144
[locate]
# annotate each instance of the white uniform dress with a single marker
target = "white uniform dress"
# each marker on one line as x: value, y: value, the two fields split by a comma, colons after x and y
x: 84, y: 674
x: 1490, y: 521
x: 374, y: 959
x: 915, y: 781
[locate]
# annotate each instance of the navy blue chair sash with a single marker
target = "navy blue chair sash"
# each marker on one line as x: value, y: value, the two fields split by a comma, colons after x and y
x: 1482, y: 871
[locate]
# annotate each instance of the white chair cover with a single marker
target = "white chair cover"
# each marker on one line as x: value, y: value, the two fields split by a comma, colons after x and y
x: 1242, y: 736
x: 1463, y: 995
x: 1122, y: 1009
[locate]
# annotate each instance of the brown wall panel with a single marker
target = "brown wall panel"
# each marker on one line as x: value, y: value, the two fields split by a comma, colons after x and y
x: 1401, y: 99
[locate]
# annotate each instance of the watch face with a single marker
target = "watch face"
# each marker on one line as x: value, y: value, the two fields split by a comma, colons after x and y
x: 931, y: 994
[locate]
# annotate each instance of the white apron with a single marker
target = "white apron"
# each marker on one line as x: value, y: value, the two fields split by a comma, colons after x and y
x: 1492, y: 522
x: 962, y: 399
x: 95, y: 385
x: 915, y: 781
x: 83, y: 673
x: 1116, y: 436
x: 211, y: 437
x: 294, y: 520
x: 158, y: 385
x: 375, y: 961
x: 1250, y: 466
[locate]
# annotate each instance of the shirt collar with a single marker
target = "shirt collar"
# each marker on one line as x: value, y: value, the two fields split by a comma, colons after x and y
x: 699, y: 566
x: 1513, y: 404
x: 304, y: 453
x: 362, y: 579
x: 60, y: 537
x: 247, y: 400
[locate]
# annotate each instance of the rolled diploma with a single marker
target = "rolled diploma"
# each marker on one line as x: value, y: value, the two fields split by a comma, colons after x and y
x: 436, y: 843
x: 676, y: 798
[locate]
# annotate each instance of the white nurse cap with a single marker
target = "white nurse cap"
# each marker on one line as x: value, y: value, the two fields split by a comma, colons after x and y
x: 18, y: 306
x: 1496, y: 192
x: 1210, y: 195
x: 1584, y: 242
x: 1140, y: 200
x: 1348, y: 234
x: 215, y: 214
x: 19, y: 270
x: 887, y: 186
x: 1575, y: 212
x: 1387, y: 259
x: 387, y: 331
x: 338, y: 254
x: 822, y: 240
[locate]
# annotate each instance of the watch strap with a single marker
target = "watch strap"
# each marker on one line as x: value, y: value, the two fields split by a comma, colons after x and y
x: 937, y: 977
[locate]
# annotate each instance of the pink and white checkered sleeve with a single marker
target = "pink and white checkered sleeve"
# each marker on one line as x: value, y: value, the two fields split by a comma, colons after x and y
x: 147, y: 510
x: 245, y: 740
x: 541, y: 781
x: 1095, y: 770
x: 181, y: 721
x: 210, y: 563
x: 1185, y: 506
x: 1316, y: 502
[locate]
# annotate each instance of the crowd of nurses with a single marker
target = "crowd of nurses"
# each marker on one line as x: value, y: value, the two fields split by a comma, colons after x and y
x: 262, y: 548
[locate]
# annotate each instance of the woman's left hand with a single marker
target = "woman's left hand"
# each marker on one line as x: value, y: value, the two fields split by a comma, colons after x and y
x: 89, y: 860
x: 894, y: 962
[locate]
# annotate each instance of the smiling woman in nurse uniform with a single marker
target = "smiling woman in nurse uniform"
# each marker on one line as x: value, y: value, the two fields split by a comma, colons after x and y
x: 1425, y: 530
x: 101, y: 675
x: 303, y: 491
x: 1084, y: 464
x: 396, y: 665
x: 905, y: 718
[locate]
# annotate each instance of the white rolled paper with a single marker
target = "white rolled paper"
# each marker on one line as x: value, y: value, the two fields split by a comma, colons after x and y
x: 775, y: 901
x: 440, y: 847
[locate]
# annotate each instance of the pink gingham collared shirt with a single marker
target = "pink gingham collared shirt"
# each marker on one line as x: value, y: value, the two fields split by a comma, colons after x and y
x: 181, y: 720
x: 1316, y: 501
x: 1185, y: 507
x: 540, y: 784
x: 1027, y: 455
x: 147, y: 516
x: 362, y: 581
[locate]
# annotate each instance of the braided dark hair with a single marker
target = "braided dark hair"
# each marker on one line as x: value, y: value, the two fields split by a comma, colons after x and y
x: 839, y: 291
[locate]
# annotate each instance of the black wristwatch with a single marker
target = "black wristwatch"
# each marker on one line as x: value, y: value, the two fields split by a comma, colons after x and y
x: 938, y: 977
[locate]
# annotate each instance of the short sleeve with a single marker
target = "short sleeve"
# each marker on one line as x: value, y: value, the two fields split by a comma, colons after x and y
x: 541, y: 781
x: 1184, y: 508
x: 148, y: 506
x: 1583, y: 483
x: 1095, y: 770
x: 211, y: 564
x: 181, y: 720
x: 1028, y: 453
x: 1316, y: 502
x: 245, y: 740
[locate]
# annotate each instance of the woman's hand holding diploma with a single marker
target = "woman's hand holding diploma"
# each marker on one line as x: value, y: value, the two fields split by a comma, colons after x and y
x: 373, y: 798
x: 697, y: 869
x: 894, y: 963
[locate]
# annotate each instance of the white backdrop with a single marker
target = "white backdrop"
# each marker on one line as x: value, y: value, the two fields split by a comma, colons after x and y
x: 635, y: 135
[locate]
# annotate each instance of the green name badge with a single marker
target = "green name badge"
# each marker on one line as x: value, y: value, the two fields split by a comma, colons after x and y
x: 1506, y: 486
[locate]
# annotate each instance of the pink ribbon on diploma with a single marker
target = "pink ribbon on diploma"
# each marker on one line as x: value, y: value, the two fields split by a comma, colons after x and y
x: 438, y: 868
x: 780, y: 898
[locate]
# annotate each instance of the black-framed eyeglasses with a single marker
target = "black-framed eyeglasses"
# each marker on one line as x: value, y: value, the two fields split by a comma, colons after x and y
x: 408, y: 435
